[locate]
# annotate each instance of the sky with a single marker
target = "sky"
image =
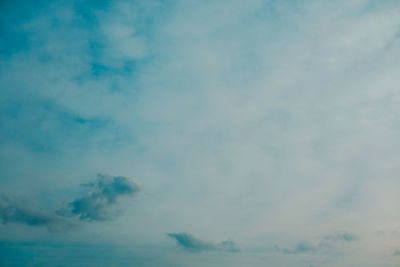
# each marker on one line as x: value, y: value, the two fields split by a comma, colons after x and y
x: 195, y: 133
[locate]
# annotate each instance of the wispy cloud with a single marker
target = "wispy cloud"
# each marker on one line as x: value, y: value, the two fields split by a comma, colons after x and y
x: 326, y: 242
x: 13, y: 210
x: 347, y: 237
x: 190, y: 242
x: 99, y: 197
x: 301, y: 247
x: 194, y: 244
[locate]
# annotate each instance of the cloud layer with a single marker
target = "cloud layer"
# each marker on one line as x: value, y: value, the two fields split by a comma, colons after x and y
x: 268, y: 122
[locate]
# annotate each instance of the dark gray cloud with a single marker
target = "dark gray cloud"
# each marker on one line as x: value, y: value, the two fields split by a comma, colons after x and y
x: 100, y: 196
x: 194, y: 244
x: 13, y: 210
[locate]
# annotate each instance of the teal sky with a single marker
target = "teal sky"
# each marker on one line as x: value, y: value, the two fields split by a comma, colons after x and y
x: 196, y: 133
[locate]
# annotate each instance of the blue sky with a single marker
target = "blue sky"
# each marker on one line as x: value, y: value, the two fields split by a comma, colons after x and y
x: 199, y: 133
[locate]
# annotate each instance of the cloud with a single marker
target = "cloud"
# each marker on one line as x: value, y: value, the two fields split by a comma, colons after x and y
x: 99, y: 197
x: 190, y: 242
x: 16, y: 211
x: 194, y: 244
x: 396, y: 253
x: 301, y: 247
x: 240, y: 114
x: 333, y: 241
x: 347, y: 237
x: 326, y: 242
x: 228, y: 245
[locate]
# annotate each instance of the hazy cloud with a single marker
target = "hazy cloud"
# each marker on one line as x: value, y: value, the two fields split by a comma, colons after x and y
x: 13, y: 210
x: 228, y: 245
x: 270, y: 122
x: 326, y: 242
x: 301, y: 247
x: 100, y: 195
x: 95, y: 205
x: 190, y: 242
x: 347, y: 237
x: 194, y: 244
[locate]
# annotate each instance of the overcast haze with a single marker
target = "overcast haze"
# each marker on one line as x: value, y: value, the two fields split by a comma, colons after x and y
x: 200, y: 133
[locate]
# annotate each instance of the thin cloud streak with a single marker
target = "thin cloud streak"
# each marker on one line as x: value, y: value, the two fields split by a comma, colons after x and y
x: 194, y: 244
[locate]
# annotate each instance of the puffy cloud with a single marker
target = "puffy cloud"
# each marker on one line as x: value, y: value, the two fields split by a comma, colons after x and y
x: 99, y: 197
x: 194, y: 244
